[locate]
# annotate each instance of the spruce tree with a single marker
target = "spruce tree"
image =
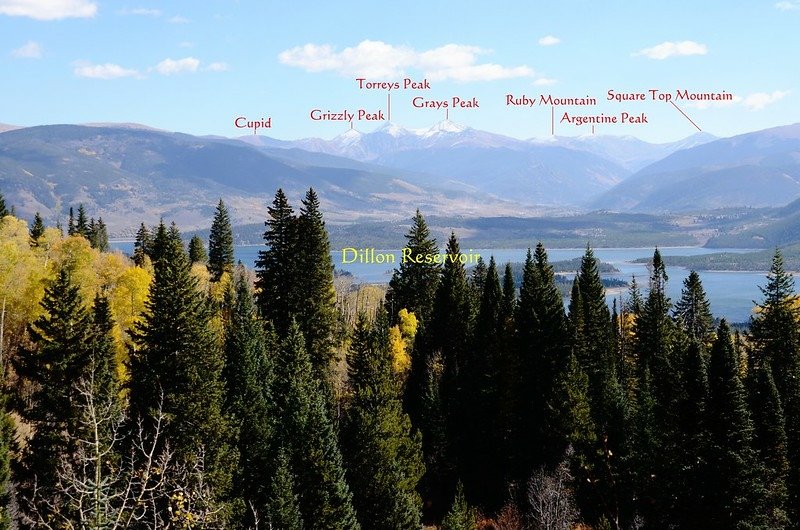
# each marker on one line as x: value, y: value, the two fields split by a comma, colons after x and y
x: 734, y: 488
x: 197, y: 250
x: 36, y: 230
x: 414, y: 282
x: 283, y: 506
x: 775, y: 337
x: 461, y: 515
x: 693, y: 310
x: 384, y: 458
x: 142, y: 246
x: 177, y: 365
x: 58, y: 360
x: 277, y: 266
x: 7, y: 447
x: 307, y: 434
x: 98, y: 234
x: 482, y: 467
x: 317, y: 316
x: 248, y: 377
x: 82, y: 223
x: 450, y: 333
x: 220, y: 244
x: 770, y: 442
x: 71, y: 223
x: 3, y: 209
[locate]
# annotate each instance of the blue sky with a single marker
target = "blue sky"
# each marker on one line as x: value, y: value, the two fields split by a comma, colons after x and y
x: 195, y: 66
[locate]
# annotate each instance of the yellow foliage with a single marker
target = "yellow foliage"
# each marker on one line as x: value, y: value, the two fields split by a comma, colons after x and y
x: 408, y: 325
x: 401, y: 360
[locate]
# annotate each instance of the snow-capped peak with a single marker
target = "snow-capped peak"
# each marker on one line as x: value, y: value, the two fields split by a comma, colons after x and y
x: 392, y: 129
x: 348, y: 137
x: 445, y: 126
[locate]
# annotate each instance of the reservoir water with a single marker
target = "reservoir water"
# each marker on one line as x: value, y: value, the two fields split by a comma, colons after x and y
x: 731, y: 293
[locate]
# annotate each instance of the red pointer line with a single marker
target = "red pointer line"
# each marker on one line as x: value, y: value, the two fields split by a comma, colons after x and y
x: 552, y: 121
x: 687, y: 117
x: 389, y: 106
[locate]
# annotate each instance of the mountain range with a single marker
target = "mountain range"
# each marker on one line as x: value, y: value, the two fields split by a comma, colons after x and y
x: 128, y: 173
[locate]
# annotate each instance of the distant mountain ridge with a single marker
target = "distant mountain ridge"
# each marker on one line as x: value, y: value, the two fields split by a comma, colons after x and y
x: 756, y: 169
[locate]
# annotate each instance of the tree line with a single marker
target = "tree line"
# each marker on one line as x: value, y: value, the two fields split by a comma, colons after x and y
x: 230, y: 398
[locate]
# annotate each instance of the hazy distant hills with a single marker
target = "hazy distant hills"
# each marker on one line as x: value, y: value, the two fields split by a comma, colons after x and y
x: 756, y: 169
x: 130, y: 173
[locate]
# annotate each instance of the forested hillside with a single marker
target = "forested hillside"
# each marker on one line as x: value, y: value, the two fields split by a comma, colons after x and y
x: 173, y: 389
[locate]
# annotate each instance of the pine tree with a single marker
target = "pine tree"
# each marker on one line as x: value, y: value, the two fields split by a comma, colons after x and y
x: 283, y: 505
x: 3, y: 209
x: 775, y: 337
x: 277, y: 267
x: 770, y: 442
x: 71, y: 223
x: 308, y: 436
x: 482, y: 463
x: 450, y: 333
x: 220, y: 244
x: 142, y: 246
x: 58, y: 360
x: 197, y: 250
x: 177, y: 365
x: 248, y: 377
x: 82, y: 223
x: 98, y: 234
x: 413, y: 285
x: 733, y: 487
x: 317, y: 314
x: 37, y: 230
x: 693, y: 310
x: 461, y: 516
x: 7, y: 433
x: 384, y: 459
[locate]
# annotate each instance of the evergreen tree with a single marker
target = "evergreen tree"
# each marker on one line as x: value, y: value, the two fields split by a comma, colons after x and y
x: 3, y: 209
x: 82, y: 223
x: 413, y: 284
x: 248, y: 377
x: 384, y: 459
x: 277, y: 267
x: 98, y: 235
x: 450, y: 333
x: 142, y: 246
x: 693, y: 310
x: 220, y: 244
x: 283, y: 505
x: 733, y: 487
x: 71, y: 223
x: 308, y: 436
x: 177, y: 365
x: 483, y: 457
x: 58, y: 360
x: 7, y: 433
x: 36, y: 230
x: 476, y: 283
x: 461, y: 516
x: 542, y: 346
x: 770, y: 443
x: 775, y: 337
x: 317, y: 316
x: 197, y: 250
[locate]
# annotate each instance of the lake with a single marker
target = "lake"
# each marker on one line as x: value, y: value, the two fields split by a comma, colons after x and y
x: 731, y: 293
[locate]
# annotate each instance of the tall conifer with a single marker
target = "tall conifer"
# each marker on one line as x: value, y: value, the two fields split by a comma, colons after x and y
x: 220, y: 243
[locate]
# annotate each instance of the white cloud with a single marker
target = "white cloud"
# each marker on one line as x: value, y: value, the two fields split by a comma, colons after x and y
x: 549, y: 40
x: 141, y: 11
x: 379, y: 60
x: 788, y: 5
x: 759, y: 100
x: 177, y: 19
x: 217, y: 67
x: 103, y: 71
x: 172, y: 66
x: 754, y: 102
x: 673, y: 49
x: 29, y: 50
x: 48, y: 9
x: 545, y: 81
